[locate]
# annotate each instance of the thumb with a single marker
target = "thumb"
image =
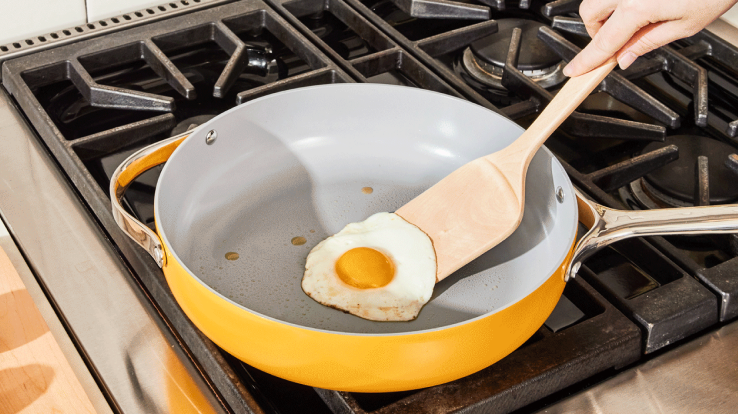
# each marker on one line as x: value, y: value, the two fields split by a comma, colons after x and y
x: 649, y: 38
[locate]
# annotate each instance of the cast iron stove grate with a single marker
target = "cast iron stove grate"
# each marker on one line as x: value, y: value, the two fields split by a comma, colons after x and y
x: 357, y: 46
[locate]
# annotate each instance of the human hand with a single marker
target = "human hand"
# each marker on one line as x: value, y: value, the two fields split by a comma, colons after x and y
x: 630, y: 28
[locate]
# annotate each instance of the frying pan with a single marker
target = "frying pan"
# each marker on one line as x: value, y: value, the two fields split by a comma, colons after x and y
x: 293, y: 164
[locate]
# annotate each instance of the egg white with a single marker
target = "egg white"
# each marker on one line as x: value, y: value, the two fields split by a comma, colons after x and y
x: 409, y: 249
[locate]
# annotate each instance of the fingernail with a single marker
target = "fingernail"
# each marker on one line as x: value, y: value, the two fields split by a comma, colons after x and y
x: 567, y: 70
x: 626, y: 59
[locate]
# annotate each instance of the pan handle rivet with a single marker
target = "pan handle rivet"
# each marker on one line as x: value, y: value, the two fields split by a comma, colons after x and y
x: 211, y: 137
x: 560, y: 194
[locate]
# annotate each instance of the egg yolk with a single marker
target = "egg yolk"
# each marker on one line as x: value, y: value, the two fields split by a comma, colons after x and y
x: 365, y: 268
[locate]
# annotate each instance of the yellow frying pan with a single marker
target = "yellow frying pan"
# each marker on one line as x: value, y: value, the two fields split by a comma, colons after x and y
x: 238, y: 194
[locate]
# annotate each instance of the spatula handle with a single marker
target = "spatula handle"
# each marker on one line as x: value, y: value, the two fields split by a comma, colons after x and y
x: 560, y: 107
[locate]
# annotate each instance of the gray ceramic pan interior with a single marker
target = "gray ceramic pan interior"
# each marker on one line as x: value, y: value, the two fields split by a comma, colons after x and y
x: 294, y: 164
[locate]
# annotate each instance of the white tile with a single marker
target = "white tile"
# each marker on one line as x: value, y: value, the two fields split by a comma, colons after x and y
x: 22, y: 19
x: 102, y: 9
x: 731, y: 16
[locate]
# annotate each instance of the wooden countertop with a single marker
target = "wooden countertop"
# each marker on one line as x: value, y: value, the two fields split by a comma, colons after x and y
x: 35, y: 377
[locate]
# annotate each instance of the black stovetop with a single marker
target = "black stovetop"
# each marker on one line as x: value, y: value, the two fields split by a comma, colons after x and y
x: 636, y: 143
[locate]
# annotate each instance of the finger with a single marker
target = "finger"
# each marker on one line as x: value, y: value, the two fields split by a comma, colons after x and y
x: 594, y: 13
x: 613, y: 35
x: 593, y: 27
x: 652, y: 37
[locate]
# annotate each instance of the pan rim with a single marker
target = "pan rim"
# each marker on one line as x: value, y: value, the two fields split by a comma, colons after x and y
x: 171, y: 252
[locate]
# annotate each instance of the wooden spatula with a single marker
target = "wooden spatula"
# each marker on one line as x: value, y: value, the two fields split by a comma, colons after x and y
x: 480, y: 204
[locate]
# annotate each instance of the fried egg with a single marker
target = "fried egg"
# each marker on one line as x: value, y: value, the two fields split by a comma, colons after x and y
x: 381, y: 269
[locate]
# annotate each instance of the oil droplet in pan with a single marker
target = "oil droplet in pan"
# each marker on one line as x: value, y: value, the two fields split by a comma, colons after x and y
x: 231, y: 256
x: 299, y: 240
x: 367, y: 190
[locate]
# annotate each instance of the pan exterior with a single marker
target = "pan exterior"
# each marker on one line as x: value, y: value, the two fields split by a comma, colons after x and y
x: 363, y: 363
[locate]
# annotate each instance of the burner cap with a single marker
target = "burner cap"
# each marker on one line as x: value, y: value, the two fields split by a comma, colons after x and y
x: 185, y: 124
x: 534, y: 53
x: 677, y: 179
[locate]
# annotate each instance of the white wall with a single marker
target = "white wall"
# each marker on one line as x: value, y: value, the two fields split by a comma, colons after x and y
x: 102, y: 9
x: 21, y: 19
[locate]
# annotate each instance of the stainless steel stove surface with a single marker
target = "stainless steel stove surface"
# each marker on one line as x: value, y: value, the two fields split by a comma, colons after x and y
x: 658, y: 134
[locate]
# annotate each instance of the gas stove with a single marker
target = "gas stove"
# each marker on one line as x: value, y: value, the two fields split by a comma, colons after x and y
x: 660, y: 134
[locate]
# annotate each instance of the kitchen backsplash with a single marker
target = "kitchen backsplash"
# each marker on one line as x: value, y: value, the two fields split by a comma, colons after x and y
x: 102, y: 9
x: 20, y: 20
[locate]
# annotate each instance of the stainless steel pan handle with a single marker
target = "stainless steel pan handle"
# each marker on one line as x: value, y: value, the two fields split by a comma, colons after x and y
x: 138, y: 163
x: 606, y: 225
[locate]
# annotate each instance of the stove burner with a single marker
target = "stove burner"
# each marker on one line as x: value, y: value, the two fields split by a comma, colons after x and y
x: 534, y: 53
x: 190, y: 123
x: 673, y: 185
x: 485, y: 59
